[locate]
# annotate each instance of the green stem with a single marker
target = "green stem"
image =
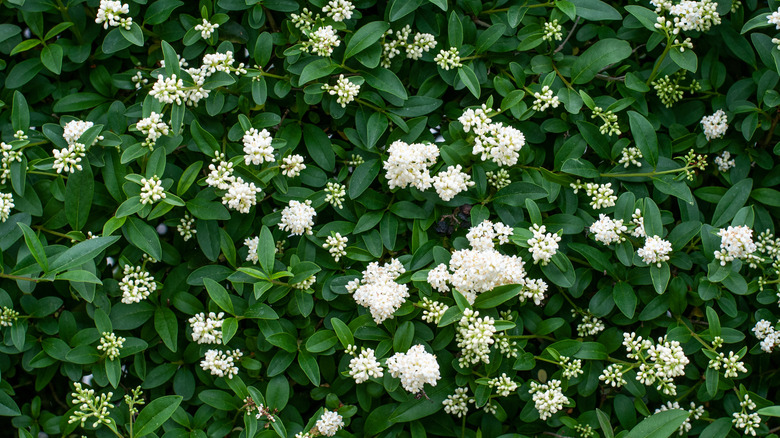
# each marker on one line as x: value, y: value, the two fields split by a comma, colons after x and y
x: 659, y: 61
x: 548, y: 338
x: 17, y: 277
x: 645, y: 174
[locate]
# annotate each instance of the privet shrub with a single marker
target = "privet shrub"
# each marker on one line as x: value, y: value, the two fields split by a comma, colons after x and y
x: 409, y: 218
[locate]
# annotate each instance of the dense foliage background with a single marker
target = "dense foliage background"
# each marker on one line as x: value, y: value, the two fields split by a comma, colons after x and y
x: 166, y: 159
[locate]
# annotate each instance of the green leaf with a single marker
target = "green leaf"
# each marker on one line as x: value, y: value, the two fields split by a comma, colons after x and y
x: 166, y: 325
x: 317, y: 69
x: 401, y: 8
x: 652, y: 219
x: 597, y: 57
x: 625, y: 298
x: 343, y: 332
x: 755, y: 23
x: 719, y: 428
x: 644, y: 136
x: 606, y: 426
x: 79, y: 276
x: 596, y: 10
x: 769, y: 411
x: 660, y: 277
x: 81, y: 253
x: 143, y: 236
x: 157, y: 412
x: 51, y: 58
x: 8, y: 407
x: 734, y: 199
x: 455, y: 30
x: 466, y: 74
x: 171, y: 58
x: 78, y: 197
x: 321, y: 341
x: 319, y: 147
x: 488, y: 37
x: 516, y: 193
x: 497, y: 296
x: 20, y: 113
x: 364, y: 37
x: 35, y: 246
x: 78, y: 102
x: 219, y: 295
x: 643, y: 15
x: 362, y: 178
x: 384, y: 80
x: 25, y: 46
x: 686, y: 59
x: 660, y: 425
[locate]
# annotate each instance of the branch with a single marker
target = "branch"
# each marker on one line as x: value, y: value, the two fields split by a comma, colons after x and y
x: 571, y: 32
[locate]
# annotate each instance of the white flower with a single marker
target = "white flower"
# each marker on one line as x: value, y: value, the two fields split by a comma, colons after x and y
x: 458, y: 403
x: 548, y: 398
x: 438, y: 278
x: 73, y: 130
x: 474, y: 272
x: 335, y: 194
x: 298, y: 218
x: 448, y: 59
x: 422, y: 42
x: 552, y: 31
x: 339, y: 10
x: 639, y: 224
x: 731, y: 364
x: 655, y: 251
x: 602, y: 195
x: 474, y: 338
x: 481, y: 236
x: 322, y: 41
x: 136, y: 284
x: 613, y: 375
x: 214, y: 62
x: 221, y: 364
x: 590, y: 325
x: 715, y: 126
x: 336, y: 245
x: 543, y: 245
x: 433, y: 310
x: 185, y: 227
x: 9, y: 156
x: 695, y: 15
x: 329, y: 423
x: 503, y: 384
x: 109, y: 13
x: 151, y: 190
x: 630, y: 155
x: 6, y: 204
x: 378, y: 290
x: 221, y: 173
x: 475, y: 119
x: 206, y: 29
x: 252, y: 244
x: 748, y: 422
x: 257, y: 147
x: 153, y: 127
x: 545, y: 99
x: 571, y: 367
x: 207, y: 329
x: 110, y: 344
x: 241, y: 196
x: 415, y: 368
x: 407, y: 164
x: 344, y: 89
x: 292, y: 166
x: 774, y: 18
x: 68, y: 159
x: 725, y: 162
x: 662, y: 362
x: 364, y: 366
x: 139, y: 80
x: 305, y: 283
x: 497, y: 142
x: 608, y: 231
x: 168, y: 90
x: 735, y: 243
x: 451, y: 182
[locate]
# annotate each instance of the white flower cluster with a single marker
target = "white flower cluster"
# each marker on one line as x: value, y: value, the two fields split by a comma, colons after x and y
x: 298, y: 218
x: 90, y: 406
x: 548, y: 398
x: 407, y: 164
x: 9, y: 156
x: 415, y: 368
x: 339, y: 10
x: 458, y: 403
x: 329, y: 423
x: 725, y: 162
x: 438, y: 278
x: 364, y: 365
x: 221, y: 173
x: 169, y: 90
x: 8, y: 317
x: 552, y: 31
x: 774, y: 18
x: 68, y: 159
x: 607, y: 230
x: 545, y: 99
x: 731, y: 365
x: 421, y: 43
x: 378, y: 290
x: 305, y: 283
x: 433, y: 310
x: 221, y: 364
x: 590, y: 325
x: 543, y: 245
x: 335, y: 194
x: 185, y: 227
x: 498, y: 179
x: 689, y: 15
x: 715, y: 126
x: 630, y: 155
x: 613, y: 375
x: 110, y: 344
x: 639, y: 224
x: 451, y: 182
x: 601, y: 195
x: 655, y: 251
x: 735, y: 243
x: 241, y: 196
x: 503, y: 385
x: 448, y: 59
x: 6, y: 204
x: 207, y: 329
x: 151, y: 190
x: 571, y: 368
x: 661, y: 362
x: 474, y: 338
x: 345, y: 90
x: 766, y: 333
x: 292, y: 165
x: 322, y: 41
x: 493, y: 141
x: 257, y: 147
x: 206, y: 28
x: 139, y: 80
x: 136, y: 284
x: 110, y: 14
x: 336, y: 245
x: 747, y: 422
x: 153, y: 127
x: 695, y: 412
